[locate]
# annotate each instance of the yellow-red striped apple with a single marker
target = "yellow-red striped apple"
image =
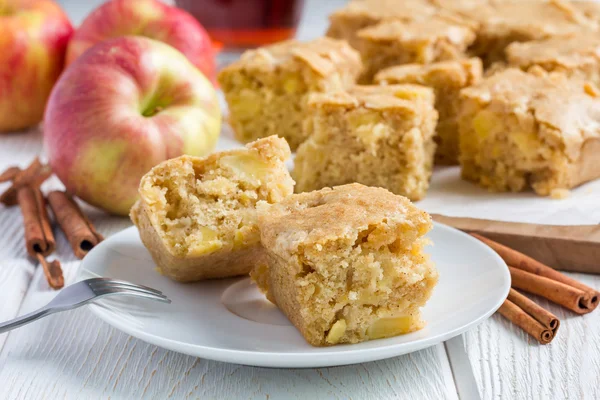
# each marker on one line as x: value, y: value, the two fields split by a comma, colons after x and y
x: 149, y: 18
x: 33, y: 41
x: 124, y: 106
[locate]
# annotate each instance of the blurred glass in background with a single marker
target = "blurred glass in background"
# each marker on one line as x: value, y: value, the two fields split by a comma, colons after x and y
x: 239, y: 24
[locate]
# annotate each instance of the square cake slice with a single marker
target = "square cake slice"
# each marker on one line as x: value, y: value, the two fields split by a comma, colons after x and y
x: 266, y: 90
x: 374, y: 135
x: 345, y: 22
x: 505, y: 22
x: 394, y: 42
x: 446, y: 78
x: 196, y: 216
x: 346, y: 264
x: 538, y: 130
x: 575, y: 55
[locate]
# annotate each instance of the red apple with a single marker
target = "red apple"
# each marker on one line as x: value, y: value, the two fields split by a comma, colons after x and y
x: 124, y: 106
x: 33, y: 40
x: 149, y: 18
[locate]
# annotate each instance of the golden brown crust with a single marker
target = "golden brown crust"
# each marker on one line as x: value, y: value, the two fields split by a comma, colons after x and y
x: 328, y: 214
x: 502, y: 23
x: 565, y: 54
x: 376, y: 98
x: 325, y: 56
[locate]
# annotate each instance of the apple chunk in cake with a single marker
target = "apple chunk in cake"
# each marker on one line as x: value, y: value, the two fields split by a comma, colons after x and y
x: 374, y: 135
x: 196, y: 216
x: 346, y: 264
x: 538, y: 130
x: 266, y: 89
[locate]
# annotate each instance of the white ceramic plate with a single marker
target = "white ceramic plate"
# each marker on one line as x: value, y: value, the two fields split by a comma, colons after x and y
x: 230, y: 320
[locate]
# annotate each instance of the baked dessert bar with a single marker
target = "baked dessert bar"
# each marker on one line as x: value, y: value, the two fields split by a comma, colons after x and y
x: 502, y: 23
x: 423, y: 42
x: 356, y: 15
x: 576, y: 55
x: 196, y: 216
x: 266, y: 89
x: 374, y: 135
x: 346, y: 264
x: 539, y: 130
x: 446, y: 78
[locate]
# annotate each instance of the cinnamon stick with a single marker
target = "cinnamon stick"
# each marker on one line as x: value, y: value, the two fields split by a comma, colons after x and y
x: 53, y: 272
x: 520, y: 318
x: 39, y: 238
x: 521, y: 261
x: 557, y: 292
x: 34, y: 175
x: 80, y: 232
x: 541, y: 315
x: 9, y: 174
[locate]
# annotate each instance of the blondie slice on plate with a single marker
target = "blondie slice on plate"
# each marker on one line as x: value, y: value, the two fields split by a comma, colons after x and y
x: 266, y: 89
x: 576, y: 55
x: 446, y: 78
x: 539, y: 130
x: 196, y: 216
x: 374, y: 135
x: 346, y: 264
x: 394, y: 42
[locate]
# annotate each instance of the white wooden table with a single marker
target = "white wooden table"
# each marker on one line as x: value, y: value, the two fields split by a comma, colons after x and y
x: 74, y: 355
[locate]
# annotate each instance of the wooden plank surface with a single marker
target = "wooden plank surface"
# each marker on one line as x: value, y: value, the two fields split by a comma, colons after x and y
x: 509, y: 364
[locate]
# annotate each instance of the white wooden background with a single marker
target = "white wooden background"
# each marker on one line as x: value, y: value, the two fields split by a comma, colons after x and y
x: 74, y: 355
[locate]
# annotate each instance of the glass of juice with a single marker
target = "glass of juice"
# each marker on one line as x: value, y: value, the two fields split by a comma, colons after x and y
x: 241, y: 24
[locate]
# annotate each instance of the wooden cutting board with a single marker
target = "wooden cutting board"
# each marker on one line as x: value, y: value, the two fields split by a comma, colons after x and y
x: 568, y: 248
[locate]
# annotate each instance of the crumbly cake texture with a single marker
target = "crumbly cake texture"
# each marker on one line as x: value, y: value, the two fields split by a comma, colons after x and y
x: 575, y: 55
x: 446, y: 78
x: 375, y: 135
x: 196, y: 216
x: 538, y: 130
x: 346, y: 264
x: 394, y: 42
x: 502, y: 23
x: 266, y: 89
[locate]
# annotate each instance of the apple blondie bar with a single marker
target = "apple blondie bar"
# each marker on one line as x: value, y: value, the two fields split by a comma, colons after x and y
x: 394, y: 42
x: 196, y: 216
x: 538, y: 130
x: 502, y: 23
x: 575, y: 55
x: 266, y: 89
x: 346, y: 264
x: 374, y: 135
x: 446, y: 78
x: 356, y: 15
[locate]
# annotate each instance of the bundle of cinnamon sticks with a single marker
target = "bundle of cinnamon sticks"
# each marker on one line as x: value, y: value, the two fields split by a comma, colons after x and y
x: 39, y: 237
x: 531, y: 276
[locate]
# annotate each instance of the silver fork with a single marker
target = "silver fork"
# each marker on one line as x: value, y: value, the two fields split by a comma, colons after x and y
x: 82, y: 293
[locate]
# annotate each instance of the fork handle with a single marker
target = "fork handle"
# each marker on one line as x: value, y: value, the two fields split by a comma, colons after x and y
x: 25, y: 319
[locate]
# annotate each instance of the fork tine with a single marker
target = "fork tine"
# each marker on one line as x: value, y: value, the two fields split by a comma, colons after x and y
x: 108, y: 281
x: 110, y: 286
x: 133, y: 293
